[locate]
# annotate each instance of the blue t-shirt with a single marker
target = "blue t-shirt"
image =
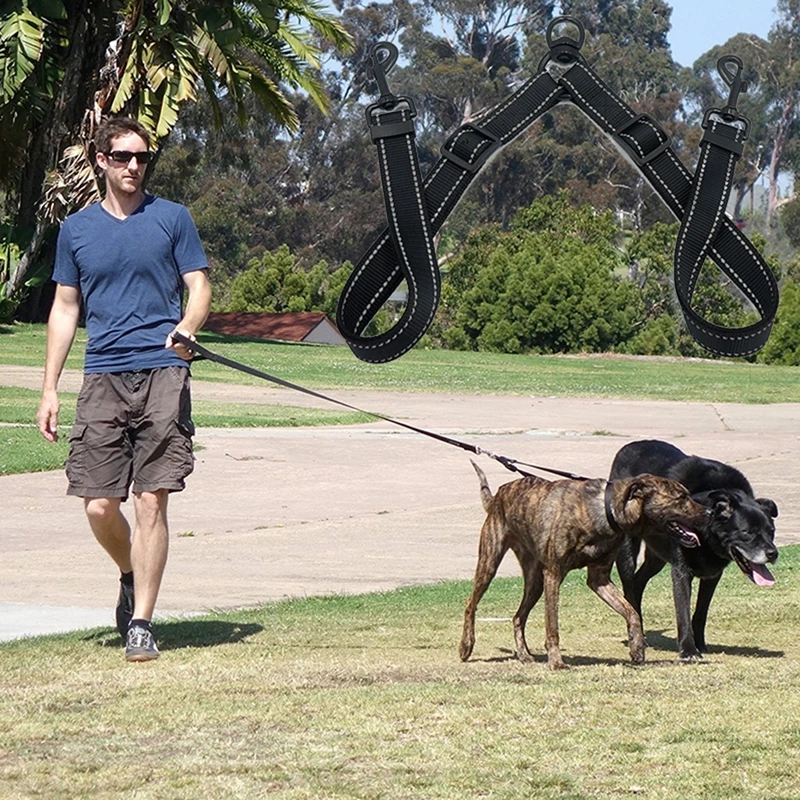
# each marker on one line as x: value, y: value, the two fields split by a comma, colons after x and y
x: 129, y: 274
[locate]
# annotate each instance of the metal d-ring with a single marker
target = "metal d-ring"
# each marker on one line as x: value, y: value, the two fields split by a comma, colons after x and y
x: 564, y: 49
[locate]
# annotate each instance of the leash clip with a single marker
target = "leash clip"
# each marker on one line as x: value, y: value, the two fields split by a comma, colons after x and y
x: 384, y: 57
x: 730, y: 114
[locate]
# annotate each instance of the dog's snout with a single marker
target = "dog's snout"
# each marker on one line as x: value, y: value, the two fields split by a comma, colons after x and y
x: 772, y: 553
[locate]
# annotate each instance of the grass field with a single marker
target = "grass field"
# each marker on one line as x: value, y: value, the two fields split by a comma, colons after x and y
x: 22, y: 448
x: 470, y: 373
x: 364, y: 697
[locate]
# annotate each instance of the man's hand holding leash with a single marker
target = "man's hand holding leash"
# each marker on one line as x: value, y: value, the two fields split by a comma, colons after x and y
x: 181, y: 350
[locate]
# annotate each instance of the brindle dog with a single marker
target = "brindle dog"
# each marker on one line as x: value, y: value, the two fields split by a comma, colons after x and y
x: 554, y: 527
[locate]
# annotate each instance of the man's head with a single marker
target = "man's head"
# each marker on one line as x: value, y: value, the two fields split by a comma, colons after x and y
x: 122, y: 148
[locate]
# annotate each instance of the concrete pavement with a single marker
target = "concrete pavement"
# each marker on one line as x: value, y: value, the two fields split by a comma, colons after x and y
x: 274, y: 513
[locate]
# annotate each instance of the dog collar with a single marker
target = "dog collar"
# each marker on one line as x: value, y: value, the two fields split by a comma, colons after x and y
x: 612, y: 522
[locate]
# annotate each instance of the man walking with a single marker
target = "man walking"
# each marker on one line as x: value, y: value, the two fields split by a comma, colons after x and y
x: 128, y: 258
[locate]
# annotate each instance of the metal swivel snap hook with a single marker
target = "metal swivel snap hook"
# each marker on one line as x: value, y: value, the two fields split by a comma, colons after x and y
x: 384, y: 57
x: 730, y: 114
x: 382, y: 116
x: 735, y: 81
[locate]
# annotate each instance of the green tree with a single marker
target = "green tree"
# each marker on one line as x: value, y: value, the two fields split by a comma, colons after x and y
x: 273, y: 283
x: 277, y: 283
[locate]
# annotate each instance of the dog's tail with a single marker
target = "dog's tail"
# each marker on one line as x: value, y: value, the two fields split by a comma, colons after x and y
x: 486, y: 492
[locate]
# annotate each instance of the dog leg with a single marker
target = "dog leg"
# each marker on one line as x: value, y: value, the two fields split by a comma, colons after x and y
x: 626, y: 566
x: 491, y: 549
x: 682, y: 595
x: 534, y: 584
x: 552, y: 587
x: 599, y: 581
x: 651, y: 566
x: 704, y: 595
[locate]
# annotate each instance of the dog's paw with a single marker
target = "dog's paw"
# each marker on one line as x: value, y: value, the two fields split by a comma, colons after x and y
x: 465, y: 651
x: 692, y: 657
x: 557, y: 664
x: 525, y: 656
x: 637, y: 656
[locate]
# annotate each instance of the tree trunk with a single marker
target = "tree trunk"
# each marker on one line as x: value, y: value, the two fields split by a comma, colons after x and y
x: 88, y: 32
x: 781, y: 137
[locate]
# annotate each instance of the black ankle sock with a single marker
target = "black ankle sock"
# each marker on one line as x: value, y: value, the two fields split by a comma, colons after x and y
x: 140, y: 623
x: 126, y: 578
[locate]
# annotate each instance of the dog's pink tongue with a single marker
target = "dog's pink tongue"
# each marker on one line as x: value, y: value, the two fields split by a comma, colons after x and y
x: 690, y: 538
x: 762, y: 576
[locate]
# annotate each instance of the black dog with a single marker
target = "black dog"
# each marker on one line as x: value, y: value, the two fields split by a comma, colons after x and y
x: 739, y: 529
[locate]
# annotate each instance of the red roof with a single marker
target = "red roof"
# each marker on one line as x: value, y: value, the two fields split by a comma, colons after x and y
x: 289, y: 327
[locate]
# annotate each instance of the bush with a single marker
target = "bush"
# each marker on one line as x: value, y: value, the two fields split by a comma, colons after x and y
x: 549, y: 285
x: 783, y: 346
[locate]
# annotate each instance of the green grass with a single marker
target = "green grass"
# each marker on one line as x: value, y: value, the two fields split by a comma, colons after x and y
x: 470, y: 373
x: 364, y: 697
x: 24, y: 450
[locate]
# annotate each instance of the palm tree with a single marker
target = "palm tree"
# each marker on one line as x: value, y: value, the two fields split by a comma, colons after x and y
x: 66, y: 64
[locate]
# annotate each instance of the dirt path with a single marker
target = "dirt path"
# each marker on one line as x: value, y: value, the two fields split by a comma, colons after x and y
x: 271, y: 513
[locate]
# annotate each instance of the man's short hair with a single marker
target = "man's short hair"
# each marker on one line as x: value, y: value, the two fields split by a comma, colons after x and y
x: 110, y: 129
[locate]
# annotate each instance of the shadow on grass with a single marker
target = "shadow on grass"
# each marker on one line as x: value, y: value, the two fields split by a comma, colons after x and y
x: 569, y: 660
x: 174, y: 635
x: 655, y: 639
x: 658, y: 639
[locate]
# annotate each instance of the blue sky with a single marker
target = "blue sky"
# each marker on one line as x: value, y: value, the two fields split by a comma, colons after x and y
x: 698, y: 25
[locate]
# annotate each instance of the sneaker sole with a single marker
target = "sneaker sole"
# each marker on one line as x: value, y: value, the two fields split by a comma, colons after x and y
x: 141, y: 656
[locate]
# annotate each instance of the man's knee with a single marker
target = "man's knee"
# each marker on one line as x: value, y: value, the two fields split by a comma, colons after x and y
x: 101, y: 509
x: 151, y: 505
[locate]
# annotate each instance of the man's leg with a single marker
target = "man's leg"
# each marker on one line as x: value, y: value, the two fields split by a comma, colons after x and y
x: 110, y: 528
x: 149, y: 549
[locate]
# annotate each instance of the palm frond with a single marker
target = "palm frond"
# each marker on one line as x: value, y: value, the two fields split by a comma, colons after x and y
x: 73, y: 186
x: 276, y: 103
x: 22, y: 39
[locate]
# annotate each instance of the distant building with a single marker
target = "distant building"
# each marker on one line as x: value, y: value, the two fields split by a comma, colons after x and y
x: 302, y: 326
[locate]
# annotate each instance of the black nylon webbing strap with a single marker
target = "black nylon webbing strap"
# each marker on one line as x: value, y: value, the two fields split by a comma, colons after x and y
x: 698, y: 201
x: 509, y: 463
x: 386, y: 263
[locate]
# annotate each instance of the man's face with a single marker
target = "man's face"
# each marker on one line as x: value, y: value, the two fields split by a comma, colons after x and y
x: 124, y: 175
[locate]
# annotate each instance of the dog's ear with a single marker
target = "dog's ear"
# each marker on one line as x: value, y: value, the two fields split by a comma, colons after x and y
x: 722, y: 504
x: 768, y: 506
x: 637, y: 489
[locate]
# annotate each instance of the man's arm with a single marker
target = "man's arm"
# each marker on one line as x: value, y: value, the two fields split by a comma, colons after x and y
x: 61, y: 327
x: 198, y: 305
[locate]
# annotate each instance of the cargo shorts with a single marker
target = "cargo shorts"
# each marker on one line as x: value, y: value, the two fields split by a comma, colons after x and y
x: 131, y: 428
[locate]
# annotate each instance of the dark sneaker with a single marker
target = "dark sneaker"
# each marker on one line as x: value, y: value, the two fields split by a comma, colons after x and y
x: 140, y: 644
x: 124, y: 611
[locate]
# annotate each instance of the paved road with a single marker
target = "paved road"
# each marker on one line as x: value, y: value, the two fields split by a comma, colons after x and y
x: 273, y: 513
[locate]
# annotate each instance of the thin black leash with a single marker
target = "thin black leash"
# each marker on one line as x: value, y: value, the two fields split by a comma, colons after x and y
x: 508, y: 463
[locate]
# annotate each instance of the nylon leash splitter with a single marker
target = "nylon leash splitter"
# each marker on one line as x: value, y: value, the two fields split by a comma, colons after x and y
x: 417, y: 207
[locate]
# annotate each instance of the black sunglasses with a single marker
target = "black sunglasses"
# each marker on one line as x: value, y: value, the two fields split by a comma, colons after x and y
x: 125, y: 156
